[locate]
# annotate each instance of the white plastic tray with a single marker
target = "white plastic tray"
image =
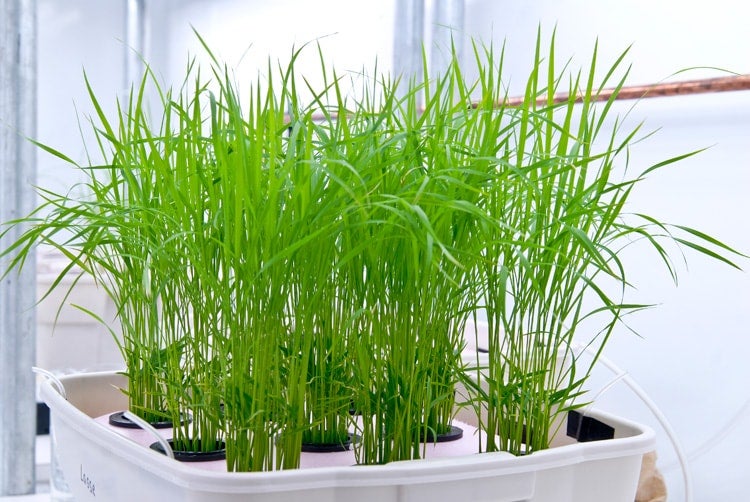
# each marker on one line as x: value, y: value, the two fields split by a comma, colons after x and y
x: 100, y: 464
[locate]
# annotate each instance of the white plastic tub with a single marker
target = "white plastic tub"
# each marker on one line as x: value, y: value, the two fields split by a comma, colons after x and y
x: 100, y: 464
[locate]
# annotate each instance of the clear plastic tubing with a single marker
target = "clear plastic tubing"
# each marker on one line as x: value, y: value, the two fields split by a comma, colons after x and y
x: 663, y: 421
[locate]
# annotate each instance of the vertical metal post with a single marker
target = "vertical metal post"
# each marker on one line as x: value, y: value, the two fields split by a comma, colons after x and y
x: 408, y: 37
x: 135, y: 40
x: 447, y: 29
x: 17, y: 291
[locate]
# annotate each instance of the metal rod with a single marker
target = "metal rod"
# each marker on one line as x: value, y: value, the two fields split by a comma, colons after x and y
x: 135, y: 40
x: 683, y: 88
x: 17, y: 290
x: 408, y: 37
x: 447, y: 34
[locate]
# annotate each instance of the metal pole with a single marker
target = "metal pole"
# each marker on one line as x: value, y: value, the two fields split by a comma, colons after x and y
x: 17, y: 291
x: 408, y: 37
x: 135, y: 40
x: 447, y: 30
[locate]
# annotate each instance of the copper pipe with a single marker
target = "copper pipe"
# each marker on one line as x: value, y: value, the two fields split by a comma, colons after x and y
x: 684, y: 88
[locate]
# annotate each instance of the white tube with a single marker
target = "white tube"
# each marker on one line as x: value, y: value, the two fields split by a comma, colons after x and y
x: 52, y: 378
x: 662, y: 419
x: 148, y: 428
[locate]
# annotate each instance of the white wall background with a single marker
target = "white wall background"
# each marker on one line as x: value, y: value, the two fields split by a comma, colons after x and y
x: 692, y: 355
